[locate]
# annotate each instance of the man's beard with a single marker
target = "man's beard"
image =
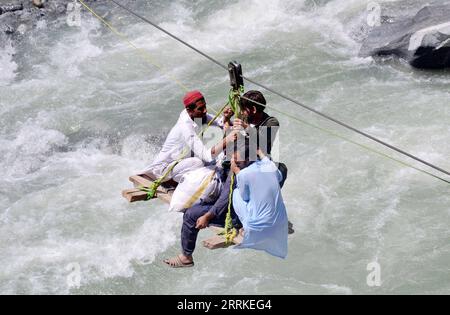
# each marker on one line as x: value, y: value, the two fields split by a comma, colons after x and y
x: 204, y: 119
x: 248, y: 119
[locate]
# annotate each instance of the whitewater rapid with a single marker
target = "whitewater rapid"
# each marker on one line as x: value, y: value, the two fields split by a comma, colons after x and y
x: 80, y: 111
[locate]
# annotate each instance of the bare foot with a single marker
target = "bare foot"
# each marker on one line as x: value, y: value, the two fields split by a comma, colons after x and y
x: 180, y: 261
x: 215, y: 242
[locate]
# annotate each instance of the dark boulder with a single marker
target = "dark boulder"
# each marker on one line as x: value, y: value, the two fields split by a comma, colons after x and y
x: 423, y: 40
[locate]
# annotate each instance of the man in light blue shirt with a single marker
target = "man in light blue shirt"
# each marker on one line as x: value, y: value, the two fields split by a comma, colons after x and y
x: 259, y: 205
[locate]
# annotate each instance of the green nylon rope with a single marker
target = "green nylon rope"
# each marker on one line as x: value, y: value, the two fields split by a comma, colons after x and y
x: 230, y: 232
x: 234, y: 99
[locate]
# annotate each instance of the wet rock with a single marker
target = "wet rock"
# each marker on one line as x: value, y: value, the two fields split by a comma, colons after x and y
x: 423, y: 40
x: 29, y: 12
x: 8, y: 29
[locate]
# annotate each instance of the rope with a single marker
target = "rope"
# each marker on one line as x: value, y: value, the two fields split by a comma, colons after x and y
x: 234, y: 99
x: 142, y: 52
x: 171, y: 35
x: 199, y: 191
x: 149, y: 59
x: 348, y: 140
x: 392, y: 147
x: 151, y: 191
x: 230, y: 232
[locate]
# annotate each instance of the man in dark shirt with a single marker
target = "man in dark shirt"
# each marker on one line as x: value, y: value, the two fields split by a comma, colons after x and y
x: 257, y: 123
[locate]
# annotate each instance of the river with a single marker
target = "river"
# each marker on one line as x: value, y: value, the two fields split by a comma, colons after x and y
x: 80, y: 111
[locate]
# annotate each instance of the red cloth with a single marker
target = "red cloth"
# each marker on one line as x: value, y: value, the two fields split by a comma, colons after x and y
x: 192, y: 97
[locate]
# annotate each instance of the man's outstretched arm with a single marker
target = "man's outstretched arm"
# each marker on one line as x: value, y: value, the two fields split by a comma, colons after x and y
x: 219, y: 207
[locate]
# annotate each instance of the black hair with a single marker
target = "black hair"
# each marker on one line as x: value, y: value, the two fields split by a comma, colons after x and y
x: 256, y: 96
x: 244, y: 151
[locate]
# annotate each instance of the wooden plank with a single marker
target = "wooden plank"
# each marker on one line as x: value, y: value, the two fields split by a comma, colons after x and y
x: 164, y: 192
x: 147, y: 181
x: 216, y: 229
x: 219, y: 241
x: 164, y: 196
x: 133, y: 195
x: 140, y: 181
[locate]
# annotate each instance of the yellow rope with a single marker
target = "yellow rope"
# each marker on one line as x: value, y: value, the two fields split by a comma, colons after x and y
x: 144, y: 54
x: 148, y: 58
x: 199, y: 191
x: 357, y: 144
x: 151, y: 192
x: 230, y: 232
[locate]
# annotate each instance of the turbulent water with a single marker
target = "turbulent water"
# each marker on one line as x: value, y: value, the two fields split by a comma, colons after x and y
x: 80, y: 111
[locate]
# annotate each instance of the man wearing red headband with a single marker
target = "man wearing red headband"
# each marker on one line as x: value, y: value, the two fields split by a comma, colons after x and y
x: 184, y: 136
